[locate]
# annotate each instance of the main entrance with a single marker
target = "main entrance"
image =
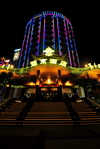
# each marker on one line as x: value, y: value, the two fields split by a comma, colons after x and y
x: 49, y: 93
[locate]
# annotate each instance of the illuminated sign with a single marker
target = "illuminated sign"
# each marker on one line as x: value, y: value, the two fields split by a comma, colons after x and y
x: 53, y: 61
x: 33, y: 63
x: 93, y: 66
x: 48, y: 51
x: 43, y: 61
x: 63, y: 63
x: 48, y: 61
x: 16, y: 56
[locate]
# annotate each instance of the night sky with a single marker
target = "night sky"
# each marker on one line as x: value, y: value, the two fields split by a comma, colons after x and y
x: 83, y: 17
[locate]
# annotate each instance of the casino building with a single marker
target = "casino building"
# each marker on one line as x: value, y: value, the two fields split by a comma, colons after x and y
x: 48, y: 48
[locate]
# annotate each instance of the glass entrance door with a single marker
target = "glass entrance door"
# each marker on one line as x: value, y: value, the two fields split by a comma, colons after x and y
x: 49, y: 94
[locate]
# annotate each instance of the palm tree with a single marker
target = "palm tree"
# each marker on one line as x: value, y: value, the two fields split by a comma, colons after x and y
x: 5, y: 78
x: 87, y: 84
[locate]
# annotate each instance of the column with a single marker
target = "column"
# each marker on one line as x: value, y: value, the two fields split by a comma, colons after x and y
x: 59, y: 85
x: 37, y: 84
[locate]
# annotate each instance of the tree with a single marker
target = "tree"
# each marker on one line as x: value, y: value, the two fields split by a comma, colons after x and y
x: 5, y: 78
x: 87, y: 83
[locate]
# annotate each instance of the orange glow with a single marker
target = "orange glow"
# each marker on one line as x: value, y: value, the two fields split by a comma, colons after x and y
x: 68, y: 83
x: 7, y: 85
x: 86, y: 65
x: 59, y: 82
x: 40, y: 85
x: 31, y: 83
x: 37, y: 82
x: 94, y: 73
x: 48, y: 81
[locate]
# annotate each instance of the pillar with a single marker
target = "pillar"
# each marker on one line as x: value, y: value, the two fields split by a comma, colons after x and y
x: 59, y: 85
x: 37, y: 84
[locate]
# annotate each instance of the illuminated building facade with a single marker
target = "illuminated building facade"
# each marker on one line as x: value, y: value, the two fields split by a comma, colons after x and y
x: 48, y: 48
x: 16, y: 57
x: 48, y: 29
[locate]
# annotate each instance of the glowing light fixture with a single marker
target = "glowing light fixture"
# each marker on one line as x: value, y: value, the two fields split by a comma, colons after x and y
x: 31, y: 83
x: 48, y: 81
x: 59, y: 82
x: 86, y: 65
x: 68, y: 83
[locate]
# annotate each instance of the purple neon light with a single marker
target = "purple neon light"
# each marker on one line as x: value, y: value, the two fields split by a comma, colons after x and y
x: 49, y: 14
x: 22, y: 48
x: 27, y: 44
x: 53, y: 33
x: 38, y: 41
x: 67, y: 43
x: 77, y: 58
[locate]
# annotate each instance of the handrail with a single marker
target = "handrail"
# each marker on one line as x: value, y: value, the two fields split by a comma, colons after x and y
x: 95, y: 103
x: 2, y: 103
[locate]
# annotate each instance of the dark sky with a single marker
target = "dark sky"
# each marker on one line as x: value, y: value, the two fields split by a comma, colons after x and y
x: 83, y: 16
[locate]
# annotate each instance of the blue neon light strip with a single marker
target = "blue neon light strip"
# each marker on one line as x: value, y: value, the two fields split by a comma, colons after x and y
x: 38, y: 41
x: 77, y: 58
x: 72, y: 52
x: 26, y: 47
x: 43, y: 34
x: 58, y: 35
x: 21, y: 53
x: 39, y: 34
x: 67, y: 43
x: 73, y: 49
x: 69, y: 48
x: 53, y: 34
x: 30, y: 43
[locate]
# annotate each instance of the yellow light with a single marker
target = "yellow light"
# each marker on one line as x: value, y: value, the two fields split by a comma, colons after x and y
x: 68, y: 83
x: 63, y: 63
x: 53, y: 61
x: 59, y: 83
x: 49, y: 81
x: 7, y: 85
x: 43, y: 61
x: 31, y: 83
x: 33, y: 63
x: 8, y: 66
x: 86, y: 65
x: 12, y: 66
x: 37, y: 83
x: 3, y: 66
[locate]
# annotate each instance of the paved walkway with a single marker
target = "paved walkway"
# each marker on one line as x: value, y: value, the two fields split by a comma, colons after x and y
x: 50, y: 137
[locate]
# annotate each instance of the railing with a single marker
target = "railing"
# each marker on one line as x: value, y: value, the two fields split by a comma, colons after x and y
x: 93, y: 102
x: 94, y: 105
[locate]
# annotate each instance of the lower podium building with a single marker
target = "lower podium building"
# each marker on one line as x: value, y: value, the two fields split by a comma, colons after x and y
x: 50, y: 77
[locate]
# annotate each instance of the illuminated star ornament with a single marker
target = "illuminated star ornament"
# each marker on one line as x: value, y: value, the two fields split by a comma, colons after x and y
x: 48, y: 51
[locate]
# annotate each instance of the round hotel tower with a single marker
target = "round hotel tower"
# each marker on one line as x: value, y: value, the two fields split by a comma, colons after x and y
x: 49, y: 29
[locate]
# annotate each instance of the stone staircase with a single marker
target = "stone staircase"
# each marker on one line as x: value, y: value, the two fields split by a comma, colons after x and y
x: 48, y: 113
x: 9, y: 115
x: 86, y: 115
